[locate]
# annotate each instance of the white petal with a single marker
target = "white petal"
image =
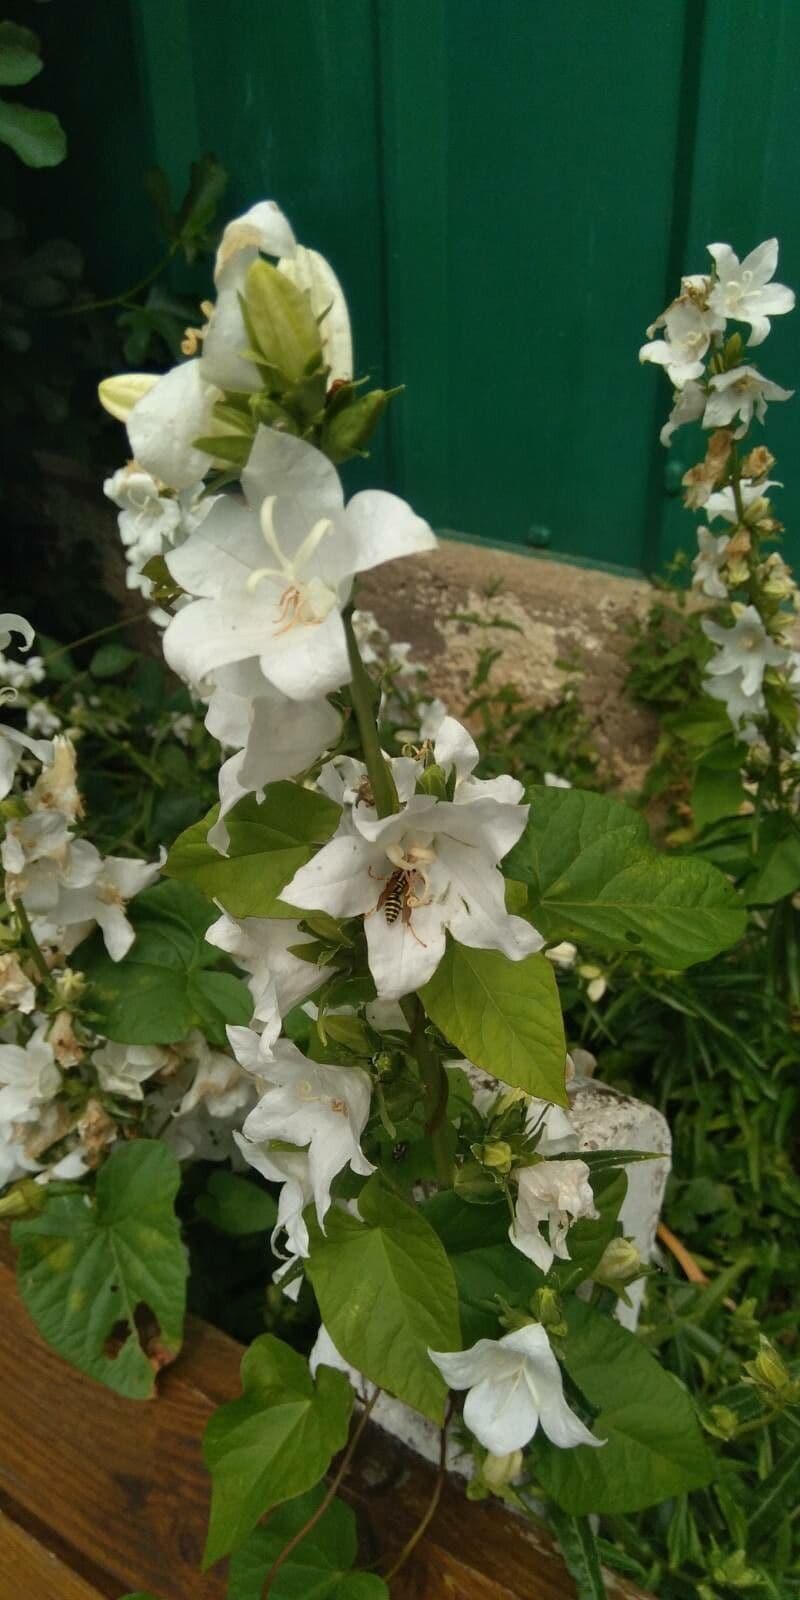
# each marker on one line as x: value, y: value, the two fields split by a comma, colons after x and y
x: 454, y: 747
x: 384, y: 527
x: 338, y: 879
x: 263, y: 228
x: 11, y: 622
x: 164, y: 423
x: 308, y: 660
x: 220, y: 556
x: 502, y: 1414
x: 404, y: 955
x: 296, y: 473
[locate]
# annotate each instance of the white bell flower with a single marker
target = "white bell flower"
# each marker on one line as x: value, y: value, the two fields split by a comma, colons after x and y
x: 263, y: 947
x: 271, y: 576
x: 430, y: 867
x: 689, y: 331
x: 556, y: 1193
x: 163, y: 425
x: 262, y: 230
x: 722, y: 502
x: 741, y: 705
x: 271, y: 741
x: 66, y: 902
x: 291, y: 1169
x: 746, y: 649
x: 744, y: 290
x: 123, y: 1068
x: 324, y: 1108
x: 742, y: 392
x: 150, y: 521
x: 29, y: 1077
x: 688, y: 405
x: 514, y: 1385
x: 13, y: 746
x: 218, y: 1083
x: 17, y: 991
x: 708, y: 563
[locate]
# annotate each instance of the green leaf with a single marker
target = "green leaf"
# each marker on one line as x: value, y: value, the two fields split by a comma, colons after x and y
x: 236, y: 1206
x: 320, y: 1568
x: 20, y: 54
x: 111, y: 659
x: 777, y: 872
x: 163, y: 988
x: 717, y: 790
x: 88, y: 1264
x: 594, y: 877
x: 578, y: 1546
x: 503, y: 1015
x: 654, y: 1447
x: 777, y: 1495
x: 37, y: 137
x: 387, y: 1294
x: 484, y: 1261
x: 269, y: 842
x: 276, y: 1442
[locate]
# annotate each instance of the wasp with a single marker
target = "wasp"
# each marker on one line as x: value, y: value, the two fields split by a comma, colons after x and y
x: 399, y: 897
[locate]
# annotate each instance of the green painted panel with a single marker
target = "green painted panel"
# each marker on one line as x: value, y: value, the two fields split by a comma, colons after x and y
x: 537, y: 182
x: 745, y: 183
x: 509, y: 190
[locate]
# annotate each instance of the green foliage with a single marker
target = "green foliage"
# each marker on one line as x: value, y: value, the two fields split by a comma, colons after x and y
x: 169, y: 982
x: 274, y: 1443
x: 36, y: 137
x: 593, y: 876
x: 117, y: 1252
x: 236, y: 1205
x: 502, y: 1015
x: 654, y: 1446
x: 484, y: 1262
x: 320, y: 1568
x: 386, y: 1295
x: 269, y: 841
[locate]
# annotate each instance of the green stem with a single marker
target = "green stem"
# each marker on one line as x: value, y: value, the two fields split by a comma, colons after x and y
x: 327, y: 1499
x: 383, y: 789
x: 29, y: 938
x: 436, y: 1087
x: 127, y: 294
x: 88, y: 638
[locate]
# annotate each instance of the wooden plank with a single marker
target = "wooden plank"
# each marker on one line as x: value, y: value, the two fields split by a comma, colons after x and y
x: 122, y: 1487
x: 29, y: 1571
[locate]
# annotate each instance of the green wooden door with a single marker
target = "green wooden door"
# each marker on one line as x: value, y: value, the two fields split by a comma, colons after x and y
x: 509, y: 189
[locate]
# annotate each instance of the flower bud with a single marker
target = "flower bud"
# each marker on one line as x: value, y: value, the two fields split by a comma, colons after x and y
x: 69, y: 987
x: 512, y: 1097
x: 119, y: 395
x: 494, y: 1154
x: 721, y: 1422
x: 24, y: 1199
x: 546, y: 1308
x: 348, y: 431
x: 768, y: 1372
x: 620, y: 1263
x: 498, y: 1471
x: 281, y: 323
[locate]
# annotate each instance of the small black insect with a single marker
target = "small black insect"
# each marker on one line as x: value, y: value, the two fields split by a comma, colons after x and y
x: 399, y: 1151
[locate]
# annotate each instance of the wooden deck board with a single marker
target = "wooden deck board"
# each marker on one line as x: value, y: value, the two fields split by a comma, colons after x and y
x: 119, y: 1490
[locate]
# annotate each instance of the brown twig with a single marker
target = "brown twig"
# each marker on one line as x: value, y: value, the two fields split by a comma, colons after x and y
x: 327, y: 1499
x: 411, y: 1544
x: 683, y: 1257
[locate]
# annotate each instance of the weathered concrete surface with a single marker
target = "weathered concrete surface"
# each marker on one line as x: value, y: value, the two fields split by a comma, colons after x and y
x: 565, y: 614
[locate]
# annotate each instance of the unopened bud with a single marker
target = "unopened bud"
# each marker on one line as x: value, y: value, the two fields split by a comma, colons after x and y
x: 620, y: 1263
x: 498, y: 1471
x: 281, y: 322
x: 512, y: 1097
x: 546, y: 1307
x: 24, y: 1199
x: 119, y: 395
x: 494, y: 1154
x: 69, y: 986
x: 769, y: 1372
x: 721, y: 1422
x: 433, y: 781
x: 348, y: 431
